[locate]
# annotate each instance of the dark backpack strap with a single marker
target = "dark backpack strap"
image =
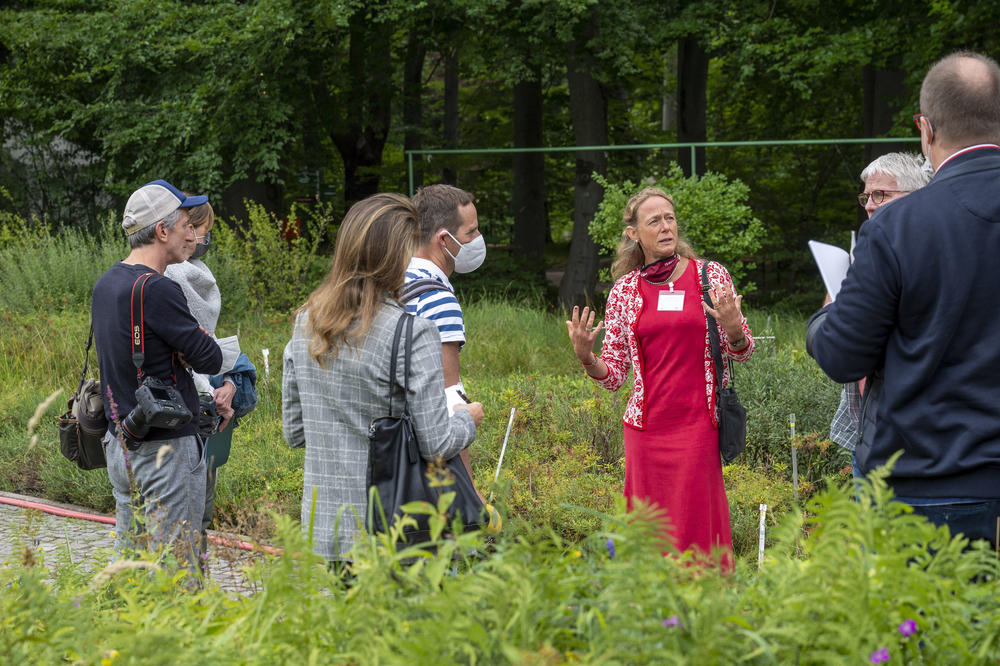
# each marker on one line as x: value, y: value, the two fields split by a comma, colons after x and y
x: 420, y: 287
x: 137, y: 329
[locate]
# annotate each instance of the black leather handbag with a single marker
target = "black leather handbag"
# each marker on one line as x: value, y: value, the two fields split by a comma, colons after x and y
x: 732, y: 415
x: 398, y: 474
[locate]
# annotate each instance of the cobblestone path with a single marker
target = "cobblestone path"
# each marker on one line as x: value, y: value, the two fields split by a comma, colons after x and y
x: 83, y: 541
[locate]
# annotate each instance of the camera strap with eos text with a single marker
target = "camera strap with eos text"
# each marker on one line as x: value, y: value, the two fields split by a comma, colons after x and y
x: 137, y: 329
x: 158, y: 403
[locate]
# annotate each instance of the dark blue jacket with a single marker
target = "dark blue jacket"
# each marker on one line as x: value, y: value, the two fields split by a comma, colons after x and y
x: 169, y: 329
x: 921, y: 308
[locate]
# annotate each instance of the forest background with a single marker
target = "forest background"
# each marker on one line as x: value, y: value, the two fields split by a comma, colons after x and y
x: 314, y: 105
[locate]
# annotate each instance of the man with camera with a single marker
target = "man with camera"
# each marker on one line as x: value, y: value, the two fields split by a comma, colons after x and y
x: 145, y: 337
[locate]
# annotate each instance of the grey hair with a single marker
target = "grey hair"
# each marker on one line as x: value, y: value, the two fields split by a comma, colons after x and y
x: 909, y: 170
x: 146, y: 235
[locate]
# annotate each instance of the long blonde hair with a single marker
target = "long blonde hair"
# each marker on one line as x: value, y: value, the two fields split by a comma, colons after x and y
x: 374, y: 245
x: 629, y: 255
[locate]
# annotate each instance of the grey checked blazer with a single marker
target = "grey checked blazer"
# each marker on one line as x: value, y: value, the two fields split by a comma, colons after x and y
x: 329, y: 410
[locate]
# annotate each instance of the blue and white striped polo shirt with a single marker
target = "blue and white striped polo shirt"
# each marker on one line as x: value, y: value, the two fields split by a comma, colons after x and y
x: 440, y: 306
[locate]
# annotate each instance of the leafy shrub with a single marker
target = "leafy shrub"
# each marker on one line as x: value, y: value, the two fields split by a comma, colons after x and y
x: 277, y: 260
x: 747, y: 489
x: 712, y: 215
x: 779, y: 381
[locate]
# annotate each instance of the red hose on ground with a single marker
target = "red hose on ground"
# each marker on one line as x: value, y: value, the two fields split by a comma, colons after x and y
x: 110, y: 520
x: 59, y: 511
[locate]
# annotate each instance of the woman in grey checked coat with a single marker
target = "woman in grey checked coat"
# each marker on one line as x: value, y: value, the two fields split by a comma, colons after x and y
x: 336, y: 371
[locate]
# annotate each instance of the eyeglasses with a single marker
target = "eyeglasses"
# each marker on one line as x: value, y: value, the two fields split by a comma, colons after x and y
x: 207, y: 238
x: 916, y: 120
x: 877, y: 196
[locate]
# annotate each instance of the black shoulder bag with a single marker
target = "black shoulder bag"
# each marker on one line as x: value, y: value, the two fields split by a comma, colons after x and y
x: 82, y: 427
x: 732, y: 415
x: 396, y: 472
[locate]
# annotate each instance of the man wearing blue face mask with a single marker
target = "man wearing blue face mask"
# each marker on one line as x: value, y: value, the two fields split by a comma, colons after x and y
x: 450, y: 243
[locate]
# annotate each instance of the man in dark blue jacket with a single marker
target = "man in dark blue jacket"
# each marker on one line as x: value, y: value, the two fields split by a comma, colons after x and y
x: 164, y: 467
x: 917, y: 313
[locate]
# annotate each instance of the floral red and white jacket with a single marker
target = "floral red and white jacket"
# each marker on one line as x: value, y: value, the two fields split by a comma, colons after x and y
x: 620, y: 349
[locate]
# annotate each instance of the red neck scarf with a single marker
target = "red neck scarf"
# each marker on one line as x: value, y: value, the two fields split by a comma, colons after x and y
x: 659, y: 271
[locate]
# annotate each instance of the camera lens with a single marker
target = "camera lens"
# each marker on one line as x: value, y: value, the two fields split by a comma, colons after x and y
x: 135, y: 425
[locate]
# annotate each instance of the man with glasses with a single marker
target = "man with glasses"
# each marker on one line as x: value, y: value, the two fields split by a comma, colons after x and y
x: 917, y: 312
x: 886, y: 179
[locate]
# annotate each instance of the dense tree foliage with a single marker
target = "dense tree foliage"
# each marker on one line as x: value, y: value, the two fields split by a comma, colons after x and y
x: 278, y: 101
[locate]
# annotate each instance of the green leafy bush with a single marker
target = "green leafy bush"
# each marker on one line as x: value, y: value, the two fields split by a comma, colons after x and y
x: 277, y: 260
x: 712, y: 215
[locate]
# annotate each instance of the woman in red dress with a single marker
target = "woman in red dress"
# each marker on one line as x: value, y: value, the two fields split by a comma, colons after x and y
x: 656, y: 324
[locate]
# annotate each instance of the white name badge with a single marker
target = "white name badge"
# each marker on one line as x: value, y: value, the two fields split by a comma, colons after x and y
x: 670, y: 301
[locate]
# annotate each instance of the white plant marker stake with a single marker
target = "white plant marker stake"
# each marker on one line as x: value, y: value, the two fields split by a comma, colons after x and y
x: 760, y: 541
x: 267, y: 367
x: 795, y: 459
x: 510, y: 422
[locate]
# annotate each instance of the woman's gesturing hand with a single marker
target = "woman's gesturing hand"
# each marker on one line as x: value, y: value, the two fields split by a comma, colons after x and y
x: 727, y: 309
x: 583, y: 334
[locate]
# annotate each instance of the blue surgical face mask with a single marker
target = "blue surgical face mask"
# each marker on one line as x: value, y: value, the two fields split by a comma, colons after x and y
x: 202, y: 247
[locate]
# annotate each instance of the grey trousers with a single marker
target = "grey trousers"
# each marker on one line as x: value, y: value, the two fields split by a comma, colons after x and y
x: 170, y: 495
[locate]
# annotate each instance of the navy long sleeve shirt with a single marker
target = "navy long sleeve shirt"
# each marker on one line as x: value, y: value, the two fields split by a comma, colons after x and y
x: 920, y: 304
x: 170, y: 330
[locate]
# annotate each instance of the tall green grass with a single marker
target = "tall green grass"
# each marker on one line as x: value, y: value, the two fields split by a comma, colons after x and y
x: 563, y: 463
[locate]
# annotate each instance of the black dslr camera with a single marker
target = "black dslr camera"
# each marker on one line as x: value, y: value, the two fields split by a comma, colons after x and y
x: 158, y: 405
x: 208, y: 418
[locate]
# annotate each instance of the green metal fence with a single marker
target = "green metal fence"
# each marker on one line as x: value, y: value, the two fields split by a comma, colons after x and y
x: 693, y: 146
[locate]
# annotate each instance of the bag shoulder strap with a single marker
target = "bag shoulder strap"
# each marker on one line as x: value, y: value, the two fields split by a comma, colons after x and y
x: 405, y: 319
x: 420, y: 287
x: 713, y: 333
x: 86, y: 356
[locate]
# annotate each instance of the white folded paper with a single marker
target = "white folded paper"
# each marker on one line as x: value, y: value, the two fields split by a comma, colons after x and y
x: 230, y: 352
x: 454, y: 396
x: 833, y: 264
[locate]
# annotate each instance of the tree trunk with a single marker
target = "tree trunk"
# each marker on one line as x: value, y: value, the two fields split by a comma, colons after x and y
x: 413, y: 108
x: 530, y: 215
x: 883, y: 89
x: 365, y: 127
x: 449, y: 174
x: 692, y: 82
x: 589, y: 110
x: 253, y: 190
